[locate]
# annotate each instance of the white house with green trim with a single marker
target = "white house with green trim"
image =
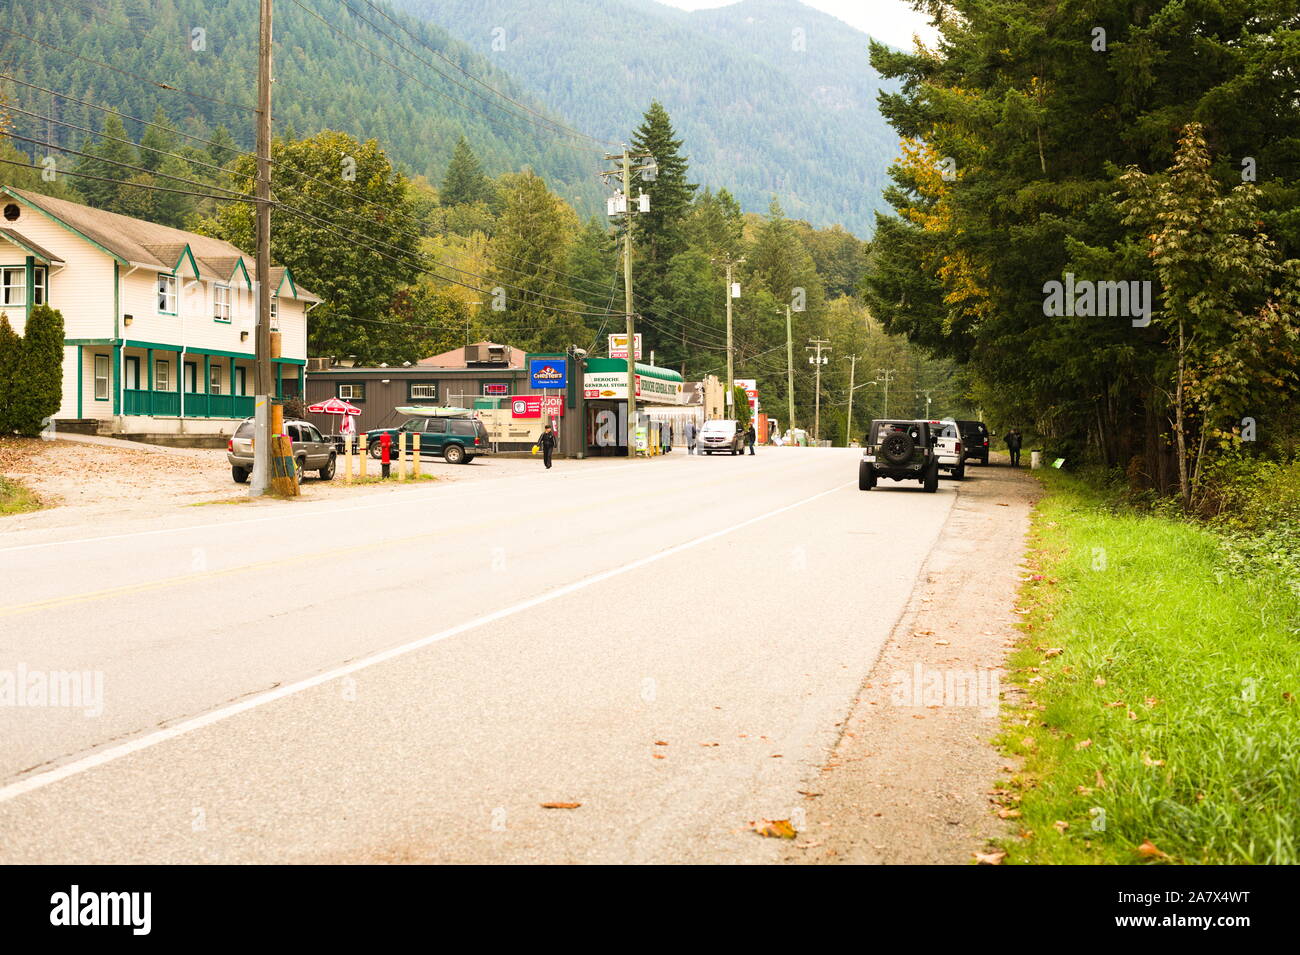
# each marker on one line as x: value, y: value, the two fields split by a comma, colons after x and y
x: 158, y: 322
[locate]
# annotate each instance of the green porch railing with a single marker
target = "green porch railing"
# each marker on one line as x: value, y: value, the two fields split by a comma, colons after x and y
x: 167, y: 404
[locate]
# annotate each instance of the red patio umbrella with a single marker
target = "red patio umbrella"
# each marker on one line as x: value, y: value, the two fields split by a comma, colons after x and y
x: 334, y: 406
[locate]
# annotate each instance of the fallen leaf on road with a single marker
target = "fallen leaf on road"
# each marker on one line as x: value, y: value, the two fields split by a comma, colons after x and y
x: 709, y: 744
x: 806, y: 845
x: 923, y: 633
x: 810, y: 795
x: 661, y: 742
x: 1008, y: 813
x: 990, y: 858
x: 561, y: 805
x: 660, y: 756
x: 776, y: 829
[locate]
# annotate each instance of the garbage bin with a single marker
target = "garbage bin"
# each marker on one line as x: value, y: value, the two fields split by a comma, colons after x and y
x: 1035, y: 459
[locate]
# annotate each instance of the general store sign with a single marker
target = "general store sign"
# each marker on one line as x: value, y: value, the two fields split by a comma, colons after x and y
x: 613, y: 385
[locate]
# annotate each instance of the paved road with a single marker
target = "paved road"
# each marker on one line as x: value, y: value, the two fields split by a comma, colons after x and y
x: 407, y: 677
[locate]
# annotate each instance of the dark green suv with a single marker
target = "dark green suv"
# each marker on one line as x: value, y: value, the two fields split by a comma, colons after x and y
x: 458, y: 440
x: 901, y: 451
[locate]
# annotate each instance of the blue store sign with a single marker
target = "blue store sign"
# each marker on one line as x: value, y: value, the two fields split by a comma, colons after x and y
x: 548, y: 372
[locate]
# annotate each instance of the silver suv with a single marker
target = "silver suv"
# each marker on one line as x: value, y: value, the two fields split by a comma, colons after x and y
x: 721, y: 434
x: 311, y: 450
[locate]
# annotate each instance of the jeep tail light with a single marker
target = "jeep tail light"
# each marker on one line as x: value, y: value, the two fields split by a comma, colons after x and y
x: 986, y: 442
x: 959, y: 447
x: 230, y: 445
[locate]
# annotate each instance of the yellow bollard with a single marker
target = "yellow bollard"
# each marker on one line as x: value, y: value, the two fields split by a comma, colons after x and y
x: 401, y: 457
x: 361, y: 465
x: 415, y: 455
x: 347, y: 459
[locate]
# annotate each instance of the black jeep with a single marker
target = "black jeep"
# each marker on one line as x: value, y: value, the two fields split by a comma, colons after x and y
x: 902, y: 451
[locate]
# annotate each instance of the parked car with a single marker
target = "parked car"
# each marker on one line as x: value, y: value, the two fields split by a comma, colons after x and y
x: 721, y: 435
x: 900, y: 450
x: 458, y: 440
x: 312, y: 451
x: 975, y: 440
x: 948, y: 448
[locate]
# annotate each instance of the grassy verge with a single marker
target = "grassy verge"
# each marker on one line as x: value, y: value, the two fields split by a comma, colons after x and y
x: 15, y: 498
x: 1159, y: 718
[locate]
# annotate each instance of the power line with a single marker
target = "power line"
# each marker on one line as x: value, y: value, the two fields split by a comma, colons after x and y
x: 136, y: 76
x: 122, y: 182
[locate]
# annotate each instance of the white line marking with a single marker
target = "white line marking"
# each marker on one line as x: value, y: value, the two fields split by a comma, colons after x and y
x: 95, y: 760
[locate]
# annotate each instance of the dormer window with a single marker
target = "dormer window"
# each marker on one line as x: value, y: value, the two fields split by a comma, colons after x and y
x: 167, y: 294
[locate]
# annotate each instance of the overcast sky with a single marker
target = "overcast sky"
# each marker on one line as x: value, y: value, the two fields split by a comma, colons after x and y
x: 893, y: 21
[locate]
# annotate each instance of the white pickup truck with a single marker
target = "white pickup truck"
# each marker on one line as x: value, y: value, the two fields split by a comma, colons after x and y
x: 948, y: 448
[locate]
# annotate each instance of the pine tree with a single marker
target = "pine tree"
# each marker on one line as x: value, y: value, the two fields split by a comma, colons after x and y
x: 38, y: 382
x: 465, y: 181
x: 10, y: 343
x: 156, y: 141
x: 659, y: 231
x: 109, y: 159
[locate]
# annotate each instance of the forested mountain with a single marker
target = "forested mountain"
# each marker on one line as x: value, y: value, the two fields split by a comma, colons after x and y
x: 113, y: 52
x: 771, y: 97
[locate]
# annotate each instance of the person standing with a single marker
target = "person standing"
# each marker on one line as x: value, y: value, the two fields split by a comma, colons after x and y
x: 690, y: 436
x: 548, y: 445
x: 750, y: 437
x: 348, y: 429
x: 1014, y: 440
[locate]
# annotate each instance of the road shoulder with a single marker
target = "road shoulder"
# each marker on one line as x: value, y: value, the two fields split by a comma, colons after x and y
x: 908, y: 779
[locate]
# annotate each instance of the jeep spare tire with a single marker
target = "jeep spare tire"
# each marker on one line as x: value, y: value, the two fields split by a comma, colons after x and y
x: 897, y: 447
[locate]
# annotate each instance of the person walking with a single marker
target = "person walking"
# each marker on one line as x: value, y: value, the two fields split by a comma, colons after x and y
x: 750, y: 437
x: 548, y: 445
x: 690, y: 436
x: 1014, y: 441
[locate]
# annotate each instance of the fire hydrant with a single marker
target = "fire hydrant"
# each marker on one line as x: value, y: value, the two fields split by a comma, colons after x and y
x: 385, y: 452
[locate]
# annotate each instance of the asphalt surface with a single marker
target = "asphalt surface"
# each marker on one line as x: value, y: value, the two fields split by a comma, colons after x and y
x: 670, y: 643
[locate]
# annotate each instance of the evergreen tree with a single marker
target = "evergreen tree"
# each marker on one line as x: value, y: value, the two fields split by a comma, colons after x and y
x: 156, y: 141
x: 222, y: 147
x: 464, y: 181
x: 110, y: 158
x: 37, y: 389
x: 658, y: 233
x: 10, y: 344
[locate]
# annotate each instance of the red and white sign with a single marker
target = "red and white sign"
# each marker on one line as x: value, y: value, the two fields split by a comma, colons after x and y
x: 496, y: 388
x: 618, y: 346
x: 526, y: 406
x: 552, y: 406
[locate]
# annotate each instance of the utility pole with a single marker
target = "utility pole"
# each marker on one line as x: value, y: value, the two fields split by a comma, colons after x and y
x: 262, y: 378
x: 818, y: 344
x: 648, y: 172
x: 885, y: 375
x: 789, y: 368
x: 848, y: 427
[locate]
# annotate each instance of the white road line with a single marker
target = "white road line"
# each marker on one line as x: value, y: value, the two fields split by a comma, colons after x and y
x: 95, y: 760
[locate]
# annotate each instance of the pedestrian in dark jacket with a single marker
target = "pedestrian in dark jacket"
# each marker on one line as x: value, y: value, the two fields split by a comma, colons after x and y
x: 690, y: 436
x: 1013, y: 440
x: 548, y: 445
x: 750, y: 437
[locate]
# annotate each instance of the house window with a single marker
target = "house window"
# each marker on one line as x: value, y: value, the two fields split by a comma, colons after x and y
x: 162, y: 376
x: 221, y: 303
x: 15, y: 287
x: 355, y: 391
x: 38, y: 285
x: 275, y: 313
x: 214, y: 382
x: 101, y: 377
x: 167, y: 294
x: 427, y: 390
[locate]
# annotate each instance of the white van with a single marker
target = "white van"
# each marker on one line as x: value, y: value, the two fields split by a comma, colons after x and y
x: 721, y: 435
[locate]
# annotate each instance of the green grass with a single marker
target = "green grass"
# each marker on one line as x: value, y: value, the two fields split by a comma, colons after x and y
x: 1202, y: 760
x: 15, y: 498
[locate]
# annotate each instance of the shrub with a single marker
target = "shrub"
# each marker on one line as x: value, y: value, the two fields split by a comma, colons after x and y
x: 10, y: 343
x: 36, y: 387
